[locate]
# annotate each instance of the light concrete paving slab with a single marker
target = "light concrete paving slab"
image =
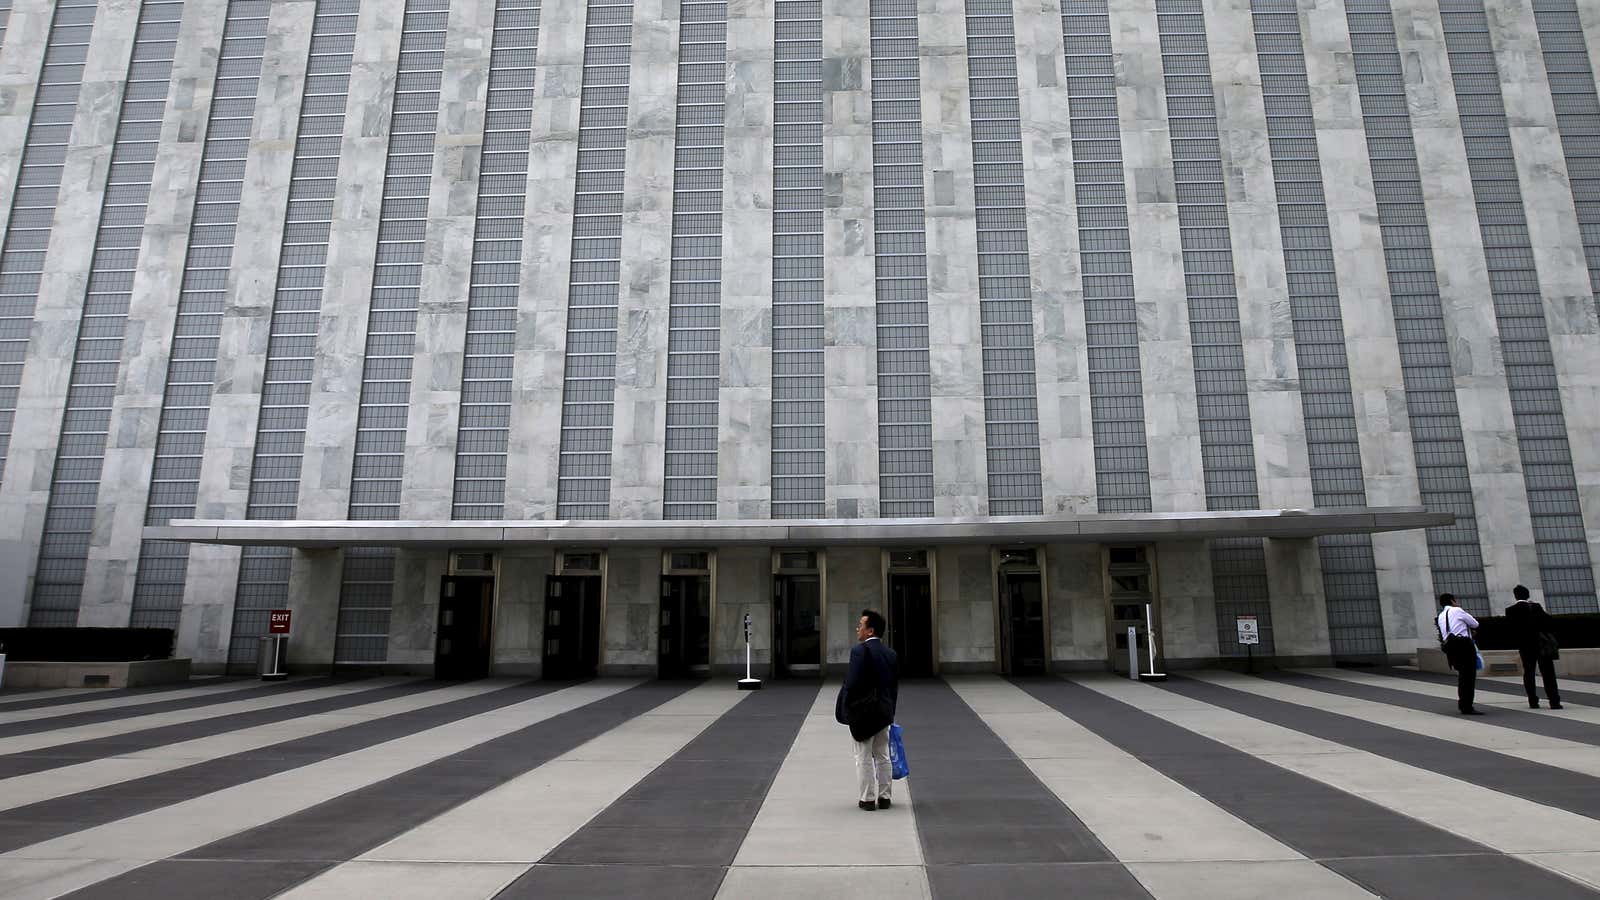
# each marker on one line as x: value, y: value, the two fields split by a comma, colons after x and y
x: 26, y: 743
x: 810, y: 817
x: 54, y: 867
x: 394, y: 880
x: 1243, y: 880
x: 1480, y: 733
x: 1543, y: 835
x: 178, y: 692
x: 833, y: 882
x: 1584, y: 867
x: 1448, y: 692
x: 98, y: 773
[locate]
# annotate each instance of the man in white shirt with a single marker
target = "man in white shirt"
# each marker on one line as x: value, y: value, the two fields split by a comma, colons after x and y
x: 1455, y: 632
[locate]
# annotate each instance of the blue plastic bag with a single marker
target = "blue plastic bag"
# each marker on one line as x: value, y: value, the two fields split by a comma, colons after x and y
x: 897, y: 753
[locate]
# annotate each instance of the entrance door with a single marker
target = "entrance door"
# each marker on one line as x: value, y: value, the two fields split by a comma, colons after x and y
x: 571, y: 626
x: 466, y: 612
x: 685, y: 648
x: 1129, y: 596
x: 911, y: 622
x: 1021, y: 623
x: 797, y: 620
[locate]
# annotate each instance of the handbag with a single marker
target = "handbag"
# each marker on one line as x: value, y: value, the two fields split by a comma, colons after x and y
x: 1548, y: 648
x: 897, y: 753
x: 868, y: 714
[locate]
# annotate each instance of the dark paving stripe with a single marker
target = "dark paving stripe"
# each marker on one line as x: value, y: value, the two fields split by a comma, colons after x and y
x: 982, y: 815
x: 1549, y: 785
x: 1391, y: 854
x: 675, y: 832
x: 1492, y: 686
x: 38, y: 698
x: 72, y: 720
x: 1517, y: 719
x: 150, y: 738
x: 319, y: 838
x: 48, y: 819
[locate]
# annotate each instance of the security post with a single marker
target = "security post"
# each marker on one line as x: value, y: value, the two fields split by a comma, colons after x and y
x: 1249, y: 637
x: 1150, y: 641
x: 748, y: 682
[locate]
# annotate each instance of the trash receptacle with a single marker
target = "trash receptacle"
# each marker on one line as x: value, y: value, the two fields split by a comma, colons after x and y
x: 272, y: 659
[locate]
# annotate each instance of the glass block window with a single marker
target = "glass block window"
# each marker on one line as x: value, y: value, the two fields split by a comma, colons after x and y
x: 292, y: 333
x: 1454, y: 552
x: 33, y: 205
x: 392, y: 325
x: 1349, y: 572
x: 905, y: 406
x: 799, y: 450
x: 1572, y: 87
x: 1116, y: 390
x: 584, y: 478
x: 192, y: 369
x: 97, y: 355
x: 1558, y: 533
x: 1005, y: 293
x: 1238, y: 565
x: 695, y: 322
x: 480, y: 477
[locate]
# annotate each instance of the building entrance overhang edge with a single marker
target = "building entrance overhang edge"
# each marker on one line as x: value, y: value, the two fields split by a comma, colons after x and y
x: 1093, y: 528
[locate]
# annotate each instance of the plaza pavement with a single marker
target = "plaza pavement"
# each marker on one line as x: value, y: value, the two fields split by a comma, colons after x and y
x: 1312, y: 785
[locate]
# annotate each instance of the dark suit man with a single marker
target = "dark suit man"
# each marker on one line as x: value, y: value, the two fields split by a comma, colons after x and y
x: 1529, y: 622
x: 867, y: 704
x: 1455, y: 633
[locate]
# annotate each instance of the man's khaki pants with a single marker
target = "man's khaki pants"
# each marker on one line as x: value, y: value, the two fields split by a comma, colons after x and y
x: 872, y: 766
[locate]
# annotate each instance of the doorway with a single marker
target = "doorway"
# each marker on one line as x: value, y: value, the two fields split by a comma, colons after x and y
x: 1020, y: 605
x: 1130, y: 603
x: 466, y: 613
x: 684, y: 647
x: 572, y: 613
x: 796, y: 614
x: 910, y: 613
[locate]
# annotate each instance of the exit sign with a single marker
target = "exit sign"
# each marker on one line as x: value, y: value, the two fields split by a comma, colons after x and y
x: 278, y: 621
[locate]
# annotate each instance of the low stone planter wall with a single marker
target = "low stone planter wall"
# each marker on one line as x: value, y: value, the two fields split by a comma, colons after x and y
x: 138, y: 673
x: 1576, y: 661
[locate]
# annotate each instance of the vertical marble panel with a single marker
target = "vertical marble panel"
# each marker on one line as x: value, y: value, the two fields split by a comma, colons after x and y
x: 1188, y: 603
x: 314, y: 579
x: 1077, y: 606
x: 414, y: 610
x: 744, y: 585
x: 541, y: 341
x: 955, y: 344
x: 1299, y: 617
x: 519, y: 610
x: 431, y: 429
x: 966, y: 609
x: 854, y: 582
x: 633, y: 608
x: 744, y: 407
x: 113, y: 557
x: 27, y: 30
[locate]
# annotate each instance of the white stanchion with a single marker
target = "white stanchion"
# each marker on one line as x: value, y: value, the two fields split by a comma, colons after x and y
x: 749, y: 682
x: 1150, y: 641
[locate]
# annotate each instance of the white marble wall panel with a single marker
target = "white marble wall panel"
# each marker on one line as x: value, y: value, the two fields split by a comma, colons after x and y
x: 1060, y: 340
x: 633, y: 609
x: 955, y: 340
x: 414, y: 609
x: 639, y: 432
x: 744, y: 414
x: 1569, y: 306
x: 541, y: 341
x: 519, y: 610
x: 853, y: 582
x: 966, y: 609
x: 850, y: 314
x: 30, y: 461
x: 1377, y: 385
x: 27, y: 30
x: 224, y: 483
x: 1166, y: 354
x: 315, y: 577
x: 113, y: 556
x: 743, y: 585
x: 1482, y: 394
x: 1299, y: 606
x: 1077, y: 600
x: 431, y: 429
x: 1183, y: 583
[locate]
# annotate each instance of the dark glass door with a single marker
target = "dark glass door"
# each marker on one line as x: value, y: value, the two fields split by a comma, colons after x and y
x: 571, y: 626
x: 685, y: 638
x: 797, y: 618
x: 466, y: 611
x: 911, y: 623
x: 1021, y: 624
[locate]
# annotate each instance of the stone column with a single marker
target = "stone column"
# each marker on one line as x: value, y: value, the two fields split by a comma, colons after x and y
x: 852, y: 581
x: 743, y: 585
x: 314, y: 581
x: 1299, y: 606
x: 414, y: 610
x: 1077, y: 607
x: 633, y: 610
x: 27, y: 30
x: 966, y: 624
x: 519, y: 610
x: 1183, y: 584
x: 1482, y: 393
x: 534, y: 444
x: 955, y: 342
x: 113, y: 558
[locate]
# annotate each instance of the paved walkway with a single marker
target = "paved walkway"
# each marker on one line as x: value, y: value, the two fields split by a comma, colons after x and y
x: 1315, y: 784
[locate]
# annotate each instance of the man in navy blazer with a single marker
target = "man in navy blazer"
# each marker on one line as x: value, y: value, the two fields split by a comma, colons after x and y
x: 867, y: 704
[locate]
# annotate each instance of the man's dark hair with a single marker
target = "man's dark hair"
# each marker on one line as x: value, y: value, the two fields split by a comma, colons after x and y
x: 1446, y: 599
x: 874, y: 621
x: 1519, y: 592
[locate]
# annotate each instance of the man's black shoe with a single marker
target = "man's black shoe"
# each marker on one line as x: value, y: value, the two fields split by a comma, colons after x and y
x: 1555, y: 706
x: 1534, y: 704
x: 1471, y: 712
x: 883, y: 802
x: 866, y: 805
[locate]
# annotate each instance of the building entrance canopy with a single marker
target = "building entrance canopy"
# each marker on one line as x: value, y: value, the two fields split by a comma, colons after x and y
x: 1107, y: 528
